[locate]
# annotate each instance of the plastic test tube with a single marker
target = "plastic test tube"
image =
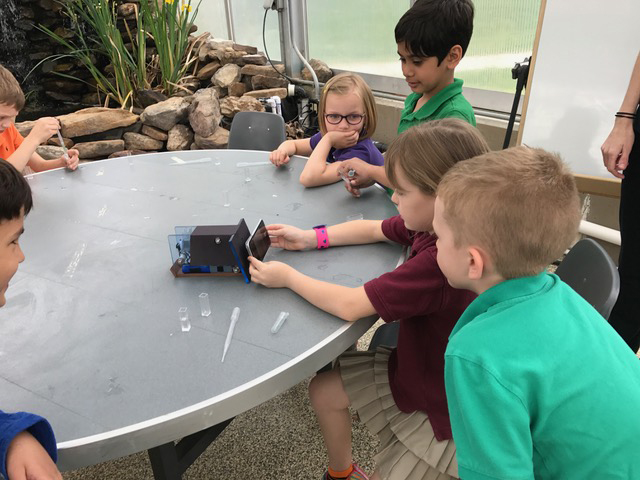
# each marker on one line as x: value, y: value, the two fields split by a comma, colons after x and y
x: 205, y: 307
x: 183, y: 314
x: 279, y: 322
x: 225, y: 198
x: 234, y: 319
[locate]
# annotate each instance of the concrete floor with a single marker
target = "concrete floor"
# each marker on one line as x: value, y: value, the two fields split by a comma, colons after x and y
x: 279, y: 439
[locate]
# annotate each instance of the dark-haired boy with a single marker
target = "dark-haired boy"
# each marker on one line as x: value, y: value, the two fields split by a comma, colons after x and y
x: 432, y: 38
x: 27, y: 443
x: 19, y: 151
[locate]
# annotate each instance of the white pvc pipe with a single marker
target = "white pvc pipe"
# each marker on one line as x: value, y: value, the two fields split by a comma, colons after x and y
x: 598, y: 231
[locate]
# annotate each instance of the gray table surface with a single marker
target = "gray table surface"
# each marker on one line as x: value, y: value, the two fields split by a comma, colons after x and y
x: 90, y: 333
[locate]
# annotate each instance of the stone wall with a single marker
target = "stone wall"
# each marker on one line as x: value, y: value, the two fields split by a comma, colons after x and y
x: 229, y: 78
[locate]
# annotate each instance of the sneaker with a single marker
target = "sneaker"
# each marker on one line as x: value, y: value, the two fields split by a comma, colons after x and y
x: 357, y: 474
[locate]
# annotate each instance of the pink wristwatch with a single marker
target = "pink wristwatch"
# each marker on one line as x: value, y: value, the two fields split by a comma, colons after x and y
x: 321, y: 235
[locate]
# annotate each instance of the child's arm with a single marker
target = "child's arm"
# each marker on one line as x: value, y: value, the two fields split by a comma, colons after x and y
x: 280, y: 156
x: 358, y: 232
x: 42, y: 130
x: 27, y: 460
x: 348, y: 303
x: 39, y: 164
x: 491, y: 425
x: 316, y: 171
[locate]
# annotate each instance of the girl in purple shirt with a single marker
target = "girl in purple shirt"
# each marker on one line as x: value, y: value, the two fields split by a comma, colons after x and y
x: 347, y: 117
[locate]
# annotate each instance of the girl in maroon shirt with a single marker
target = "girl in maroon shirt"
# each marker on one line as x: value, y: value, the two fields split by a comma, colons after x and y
x: 399, y: 394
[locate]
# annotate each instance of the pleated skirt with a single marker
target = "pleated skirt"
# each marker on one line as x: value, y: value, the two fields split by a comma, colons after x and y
x: 409, y: 449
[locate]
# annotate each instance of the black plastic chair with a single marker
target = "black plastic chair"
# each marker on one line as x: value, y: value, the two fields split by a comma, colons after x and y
x: 256, y: 131
x: 587, y: 268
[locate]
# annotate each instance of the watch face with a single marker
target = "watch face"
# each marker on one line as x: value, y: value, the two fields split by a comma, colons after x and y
x: 259, y: 242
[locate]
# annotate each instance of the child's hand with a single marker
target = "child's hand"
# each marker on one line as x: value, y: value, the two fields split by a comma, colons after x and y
x: 269, y: 274
x: 291, y: 238
x: 72, y: 162
x: 362, y: 178
x: 343, y: 139
x: 43, y: 129
x: 28, y: 460
x: 279, y: 157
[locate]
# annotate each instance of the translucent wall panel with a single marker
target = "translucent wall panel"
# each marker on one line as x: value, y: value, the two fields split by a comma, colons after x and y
x: 356, y: 35
x: 247, y: 23
x: 504, y: 31
x: 212, y: 18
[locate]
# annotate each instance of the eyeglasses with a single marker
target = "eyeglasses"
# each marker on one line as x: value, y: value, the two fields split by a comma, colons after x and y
x: 352, y: 118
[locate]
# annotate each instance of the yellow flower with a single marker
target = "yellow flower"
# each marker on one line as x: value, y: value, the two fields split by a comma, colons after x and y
x: 170, y: 2
x: 186, y: 7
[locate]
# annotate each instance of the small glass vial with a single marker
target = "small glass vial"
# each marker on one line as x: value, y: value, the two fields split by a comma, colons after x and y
x: 183, y: 314
x: 225, y: 198
x: 205, y: 307
x: 247, y: 174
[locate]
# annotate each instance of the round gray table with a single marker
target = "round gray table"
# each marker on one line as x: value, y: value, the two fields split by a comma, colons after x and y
x: 91, y: 338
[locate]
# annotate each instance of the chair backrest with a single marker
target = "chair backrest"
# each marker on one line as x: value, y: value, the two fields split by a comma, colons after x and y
x: 589, y: 270
x: 256, y: 131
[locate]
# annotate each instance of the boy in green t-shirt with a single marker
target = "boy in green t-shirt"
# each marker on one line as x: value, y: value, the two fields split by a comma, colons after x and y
x: 432, y: 38
x: 539, y: 385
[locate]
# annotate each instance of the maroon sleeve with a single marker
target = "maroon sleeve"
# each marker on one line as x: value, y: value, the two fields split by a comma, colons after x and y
x: 393, y: 228
x: 415, y: 288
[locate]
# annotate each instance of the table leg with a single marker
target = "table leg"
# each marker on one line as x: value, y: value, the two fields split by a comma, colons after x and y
x: 171, y: 460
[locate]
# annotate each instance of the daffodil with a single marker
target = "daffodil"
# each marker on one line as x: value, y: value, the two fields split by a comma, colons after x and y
x: 186, y: 7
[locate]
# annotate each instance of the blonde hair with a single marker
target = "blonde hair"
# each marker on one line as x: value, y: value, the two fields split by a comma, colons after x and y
x: 424, y: 153
x: 10, y: 91
x: 343, y: 84
x: 520, y: 204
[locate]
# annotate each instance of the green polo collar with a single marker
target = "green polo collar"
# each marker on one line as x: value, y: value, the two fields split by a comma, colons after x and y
x: 434, y: 103
x: 506, y: 294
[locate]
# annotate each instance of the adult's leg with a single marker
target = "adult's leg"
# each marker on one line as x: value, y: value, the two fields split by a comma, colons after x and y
x: 625, y: 317
x: 331, y: 404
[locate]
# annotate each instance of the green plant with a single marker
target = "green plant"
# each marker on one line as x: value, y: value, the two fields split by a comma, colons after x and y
x: 94, y: 25
x: 169, y: 23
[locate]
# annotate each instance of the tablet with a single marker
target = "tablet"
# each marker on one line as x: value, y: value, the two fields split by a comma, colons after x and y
x: 259, y: 242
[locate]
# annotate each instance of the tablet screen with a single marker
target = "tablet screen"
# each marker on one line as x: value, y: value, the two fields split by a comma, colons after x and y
x: 259, y: 242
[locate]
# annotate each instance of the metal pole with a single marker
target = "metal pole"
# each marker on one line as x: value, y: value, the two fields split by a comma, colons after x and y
x: 229, y: 14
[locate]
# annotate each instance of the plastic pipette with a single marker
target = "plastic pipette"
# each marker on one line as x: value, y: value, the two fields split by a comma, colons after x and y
x: 234, y: 320
x: 64, y: 148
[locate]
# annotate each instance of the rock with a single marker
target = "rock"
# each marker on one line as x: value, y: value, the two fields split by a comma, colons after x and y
x: 64, y: 33
x: 25, y: 127
x: 154, y: 132
x: 258, y: 59
x: 237, y: 89
x: 226, y: 75
x: 91, y: 99
x: 322, y: 70
x: 280, y: 92
x: 219, y: 139
x: 137, y: 141
x: 166, y: 114
x: 232, y: 105
x: 208, y: 70
x: 127, y: 9
x: 245, y: 48
x: 68, y: 143
x: 204, y: 114
x: 210, y: 47
x: 228, y: 55
x: 63, y: 97
x: 180, y: 138
x: 194, y: 146
x: 49, y: 152
x: 260, y: 82
x: 102, y: 148
x: 147, y: 98
x: 126, y: 153
x: 93, y: 120
x: 262, y: 70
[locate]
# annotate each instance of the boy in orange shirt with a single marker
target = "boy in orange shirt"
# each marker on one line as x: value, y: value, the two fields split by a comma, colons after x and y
x: 20, y: 151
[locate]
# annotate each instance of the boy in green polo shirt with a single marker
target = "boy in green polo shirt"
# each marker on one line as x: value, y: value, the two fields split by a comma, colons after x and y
x: 539, y: 385
x: 432, y: 38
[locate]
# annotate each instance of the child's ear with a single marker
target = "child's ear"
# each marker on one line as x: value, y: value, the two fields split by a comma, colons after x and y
x: 477, y: 263
x: 454, y: 56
